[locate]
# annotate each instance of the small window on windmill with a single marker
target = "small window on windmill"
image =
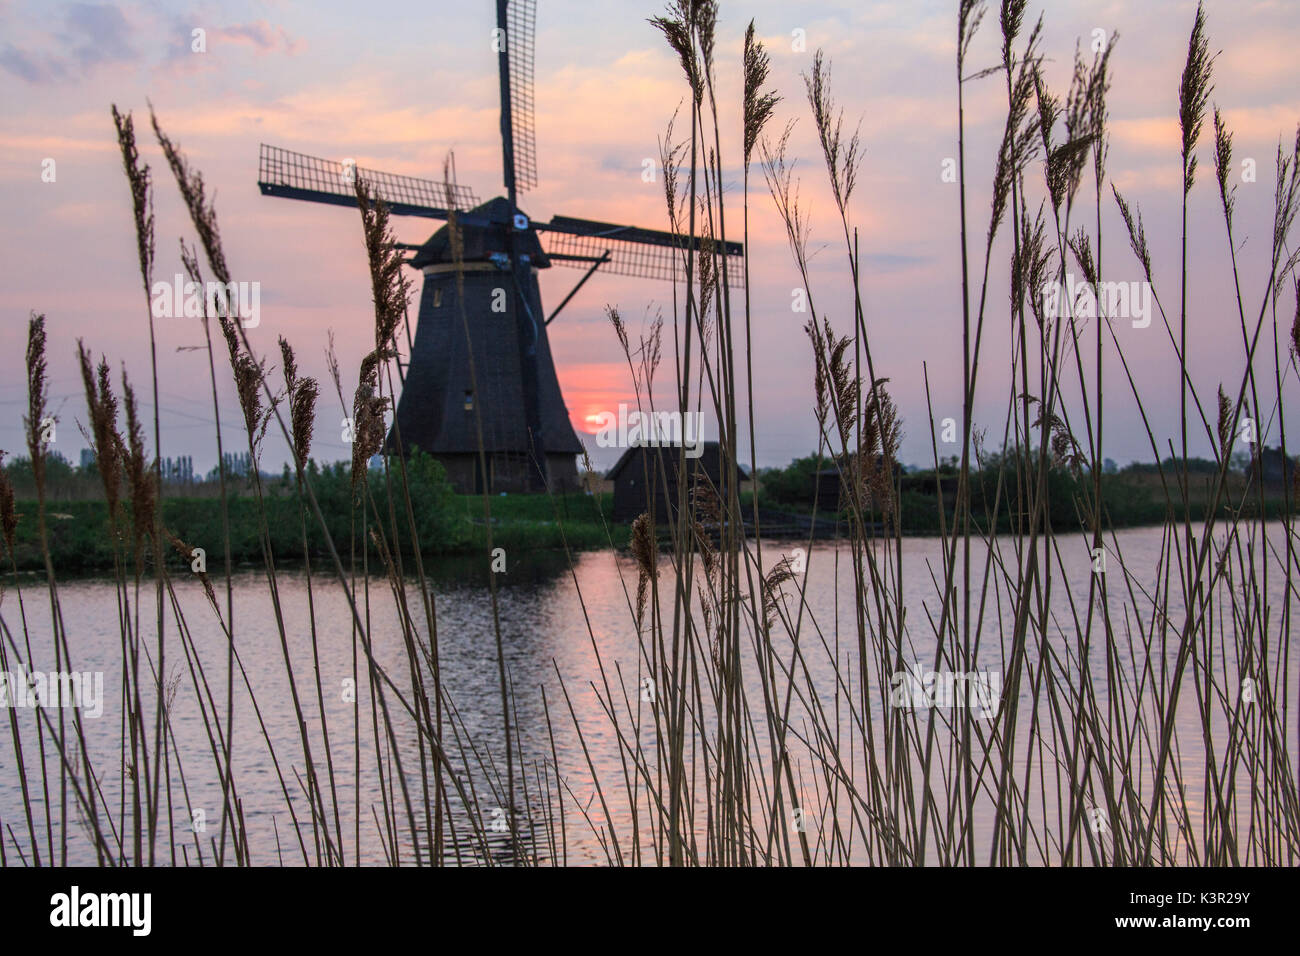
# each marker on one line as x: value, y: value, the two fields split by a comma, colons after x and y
x: 437, y: 297
x: 469, y: 400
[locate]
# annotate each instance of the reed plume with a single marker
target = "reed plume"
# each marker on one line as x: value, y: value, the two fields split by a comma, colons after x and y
x: 1137, y: 235
x: 186, y: 553
x: 1098, y: 113
x: 1010, y: 19
x: 758, y: 105
x: 652, y: 348
x: 1081, y: 245
x: 8, y: 511
x: 247, y: 370
x: 646, y: 554
x: 203, y: 213
x: 105, y: 440
x: 388, y: 285
x: 780, y: 573
x: 1225, y: 424
x: 843, y: 156
x: 706, y: 26
x: 778, y: 171
x: 837, y: 385
x: 708, y: 281
x: 678, y: 27
x: 369, y: 429
x: 138, y: 177
x: 139, y: 475
x: 37, y: 398
x: 301, y: 395
x: 1194, y: 95
x: 969, y: 15
x: 616, y: 320
x: 1019, y: 138
x: 1295, y: 322
x: 391, y: 294
x: 670, y: 158
x: 880, y: 454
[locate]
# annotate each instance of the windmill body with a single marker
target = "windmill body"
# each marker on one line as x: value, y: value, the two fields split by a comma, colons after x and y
x: 470, y: 359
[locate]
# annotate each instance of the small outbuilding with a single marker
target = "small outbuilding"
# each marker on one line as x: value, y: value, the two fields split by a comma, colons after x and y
x: 648, y: 474
x: 830, y: 484
x: 1272, y: 467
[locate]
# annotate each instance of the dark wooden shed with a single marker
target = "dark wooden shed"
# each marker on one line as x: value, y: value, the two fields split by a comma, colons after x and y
x: 1271, y: 466
x: 830, y: 486
x: 648, y: 473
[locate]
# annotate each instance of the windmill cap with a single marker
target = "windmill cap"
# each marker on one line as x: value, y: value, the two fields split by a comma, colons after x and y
x: 481, y: 242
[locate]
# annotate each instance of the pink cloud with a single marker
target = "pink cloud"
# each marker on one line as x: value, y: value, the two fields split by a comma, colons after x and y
x: 260, y: 36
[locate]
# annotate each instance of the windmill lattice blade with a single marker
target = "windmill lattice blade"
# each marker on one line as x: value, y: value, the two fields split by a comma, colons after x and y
x: 573, y: 226
x: 282, y: 172
x: 521, y: 30
x: 633, y: 258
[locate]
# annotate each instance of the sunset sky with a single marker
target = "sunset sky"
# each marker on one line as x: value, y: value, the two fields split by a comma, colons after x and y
x: 397, y: 85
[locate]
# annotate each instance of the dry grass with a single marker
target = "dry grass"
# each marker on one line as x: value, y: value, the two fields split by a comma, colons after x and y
x: 773, y: 736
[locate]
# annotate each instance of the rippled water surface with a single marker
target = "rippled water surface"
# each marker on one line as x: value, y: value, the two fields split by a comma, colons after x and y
x: 558, y: 625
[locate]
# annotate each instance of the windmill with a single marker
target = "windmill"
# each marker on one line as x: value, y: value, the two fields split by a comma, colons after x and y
x: 480, y: 361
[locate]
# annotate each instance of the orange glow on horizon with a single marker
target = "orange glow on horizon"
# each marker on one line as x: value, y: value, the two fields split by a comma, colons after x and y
x: 586, y: 415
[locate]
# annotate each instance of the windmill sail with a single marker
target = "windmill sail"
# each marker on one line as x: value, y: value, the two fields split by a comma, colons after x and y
x: 633, y: 251
x: 516, y: 20
x: 282, y: 172
x: 521, y: 30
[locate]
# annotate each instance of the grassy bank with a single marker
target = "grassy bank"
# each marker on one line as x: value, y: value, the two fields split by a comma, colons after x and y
x: 1136, y: 496
x: 81, y: 538
x: 451, y: 524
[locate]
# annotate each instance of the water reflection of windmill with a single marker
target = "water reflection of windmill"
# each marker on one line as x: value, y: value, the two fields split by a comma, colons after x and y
x: 528, y: 441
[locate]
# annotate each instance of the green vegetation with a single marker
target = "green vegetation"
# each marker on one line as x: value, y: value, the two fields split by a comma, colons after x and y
x: 445, y: 523
x: 520, y: 522
x: 1130, y: 497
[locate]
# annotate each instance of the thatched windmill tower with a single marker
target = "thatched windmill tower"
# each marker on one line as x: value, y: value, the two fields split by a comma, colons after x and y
x: 441, y: 410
